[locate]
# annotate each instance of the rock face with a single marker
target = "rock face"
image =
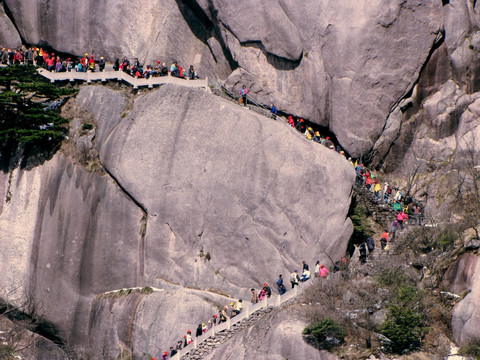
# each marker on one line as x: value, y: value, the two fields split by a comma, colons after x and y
x: 153, y: 31
x: 466, y: 315
x: 9, y: 37
x: 345, y: 66
x: 250, y: 191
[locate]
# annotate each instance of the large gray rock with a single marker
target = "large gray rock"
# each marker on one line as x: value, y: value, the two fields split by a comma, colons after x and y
x: 343, y: 81
x: 151, y: 31
x: 344, y: 65
x: 465, y: 276
x: 218, y: 177
x: 252, y: 192
x: 9, y: 37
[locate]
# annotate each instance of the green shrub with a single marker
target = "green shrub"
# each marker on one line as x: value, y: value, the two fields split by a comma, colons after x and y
x: 6, y: 351
x: 361, y: 226
x: 208, y: 256
x: 404, y: 324
x: 23, y: 119
x: 146, y: 290
x: 446, y: 241
x: 325, y: 334
x: 471, y: 349
x: 392, y: 277
x: 87, y: 126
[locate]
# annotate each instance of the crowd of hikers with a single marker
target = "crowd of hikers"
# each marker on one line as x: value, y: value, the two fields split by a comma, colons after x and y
x: 407, y: 210
x: 234, y: 308
x: 52, y: 62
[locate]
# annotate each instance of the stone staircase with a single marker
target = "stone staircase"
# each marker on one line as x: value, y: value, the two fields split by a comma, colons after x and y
x: 215, y: 341
x: 250, y: 315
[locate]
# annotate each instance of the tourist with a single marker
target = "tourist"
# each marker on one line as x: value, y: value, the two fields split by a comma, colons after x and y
x: 305, y: 266
x: 280, y: 287
x: 273, y: 110
x: 294, y: 279
x: 262, y: 294
x: 192, y: 74
x: 401, y: 218
x: 101, y: 64
x: 254, y: 296
x: 317, y: 268
x: 244, y: 93
x: 363, y: 253
x: 305, y: 275
x: 323, y: 271
x: 291, y: 121
x: 91, y: 63
x: 238, y: 307
x: 370, y: 245
x: 384, y: 240
x: 267, y: 289
x: 223, y: 314
x: 198, y: 332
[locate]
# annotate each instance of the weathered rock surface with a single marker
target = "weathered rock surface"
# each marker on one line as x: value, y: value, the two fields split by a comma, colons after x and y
x: 250, y: 191
x: 26, y: 344
x: 343, y: 81
x: 466, y: 314
x: 320, y: 64
x: 208, y: 177
x: 9, y: 37
x: 157, y: 30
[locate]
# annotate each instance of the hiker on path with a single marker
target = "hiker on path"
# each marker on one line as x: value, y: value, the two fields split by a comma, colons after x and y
x: 323, y: 271
x: 363, y: 253
x: 199, y: 330
x: 273, y: 110
x: 223, y: 314
x: 305, y: 266
x: 244, y: 93
x: 384, y: 240
x: 280, y: 287
x: 294, y: 279
x: 267, y: 289
x: 254, y: 296
x: 370, y: 245
x: 238, y: 307
x: 305, y: 275
x: 317, y: 268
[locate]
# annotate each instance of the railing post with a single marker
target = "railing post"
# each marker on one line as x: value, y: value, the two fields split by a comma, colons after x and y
x: 213, y: 330
x: 296, y: 291
x: 195, y: 343
x: 228, y: 323
x: 266, y: 302
x: 279, y: 300
x: 89, y: 81
x: 247, y: 311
